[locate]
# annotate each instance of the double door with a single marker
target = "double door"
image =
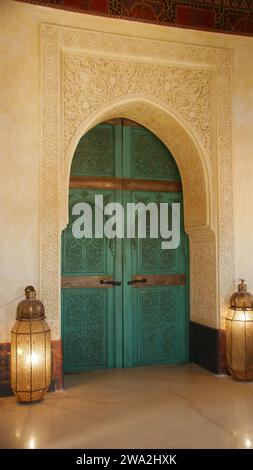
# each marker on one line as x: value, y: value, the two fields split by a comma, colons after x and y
x: 124, y: 299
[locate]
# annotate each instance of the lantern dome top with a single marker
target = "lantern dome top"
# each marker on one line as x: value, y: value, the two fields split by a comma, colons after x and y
x: 241, y: 300
x: 30, y: 309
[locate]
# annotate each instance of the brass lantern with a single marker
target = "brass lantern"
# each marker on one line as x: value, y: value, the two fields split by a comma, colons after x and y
x: 30, y: 350
x: 239, y: 334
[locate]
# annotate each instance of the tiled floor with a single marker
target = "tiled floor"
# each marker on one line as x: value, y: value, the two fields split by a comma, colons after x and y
x: 147, y: 407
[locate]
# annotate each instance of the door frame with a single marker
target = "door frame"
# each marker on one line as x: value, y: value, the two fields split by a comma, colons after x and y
x: 203, y: 153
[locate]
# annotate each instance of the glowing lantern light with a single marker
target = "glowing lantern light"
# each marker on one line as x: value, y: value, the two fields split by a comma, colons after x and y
x: 30, y: 350
x: 239, y: 334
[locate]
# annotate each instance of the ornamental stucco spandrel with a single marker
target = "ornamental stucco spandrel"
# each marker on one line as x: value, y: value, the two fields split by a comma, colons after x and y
x: 89, y: 82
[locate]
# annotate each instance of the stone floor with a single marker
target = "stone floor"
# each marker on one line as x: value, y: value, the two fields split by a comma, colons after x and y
x: 146, y: 407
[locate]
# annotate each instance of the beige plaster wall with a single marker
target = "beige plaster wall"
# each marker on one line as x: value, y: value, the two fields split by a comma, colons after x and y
x: 20, y: 138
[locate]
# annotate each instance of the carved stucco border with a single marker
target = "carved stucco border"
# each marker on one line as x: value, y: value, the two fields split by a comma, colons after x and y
x: 55, y: 40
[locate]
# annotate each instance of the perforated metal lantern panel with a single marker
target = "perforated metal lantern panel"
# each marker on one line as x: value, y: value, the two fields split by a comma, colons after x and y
x: 239, y: 335
x: 239, y: 344
x: 30, y: 352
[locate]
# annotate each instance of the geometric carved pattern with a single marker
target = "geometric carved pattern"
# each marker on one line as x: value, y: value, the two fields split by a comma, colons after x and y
x: 72, y: 253
x: 83, y: 255
x: 151, y: 258
x: 151, y: 159
x: 94, y: 153
x: 106, y: 76
x: 158, y: 319
x: 84, y: 328
x: 72, y: 328
x: 225, y: 210
x: 203, y: 248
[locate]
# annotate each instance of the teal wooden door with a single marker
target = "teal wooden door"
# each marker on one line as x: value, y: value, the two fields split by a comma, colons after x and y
x: 143, y: 319
x: 91, y: 311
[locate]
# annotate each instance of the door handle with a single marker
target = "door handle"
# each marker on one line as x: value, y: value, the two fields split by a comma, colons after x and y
x: 113, y: 283
x: 134, y: 281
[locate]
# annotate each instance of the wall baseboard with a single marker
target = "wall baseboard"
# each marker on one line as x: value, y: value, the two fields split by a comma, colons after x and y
x: 207, y: 347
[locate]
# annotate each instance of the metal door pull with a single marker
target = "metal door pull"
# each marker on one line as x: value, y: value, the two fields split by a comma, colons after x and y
x: 134, y: 281
x: 113, y: 283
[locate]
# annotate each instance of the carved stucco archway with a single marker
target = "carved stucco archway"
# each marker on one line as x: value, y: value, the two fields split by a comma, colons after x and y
x: 153, y: 114
x: 85, y: 81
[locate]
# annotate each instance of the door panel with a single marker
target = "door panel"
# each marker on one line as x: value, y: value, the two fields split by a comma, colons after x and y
x: 91, y: 311
x: 145, y: 156
x: 159, y: 336
x: 154, y: 313
x: 99, y: 152
x: 148, y: 255
x: 87, y: 329
x: 85, y: 256
x: 131, y: 324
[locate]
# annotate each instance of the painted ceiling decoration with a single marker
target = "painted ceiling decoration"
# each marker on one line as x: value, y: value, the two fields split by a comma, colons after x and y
x: 226, y: 16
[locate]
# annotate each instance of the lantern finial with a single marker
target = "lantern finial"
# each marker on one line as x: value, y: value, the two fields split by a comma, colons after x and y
x: 241, y: 300
x: 30, y: 292
x: 242, y: 286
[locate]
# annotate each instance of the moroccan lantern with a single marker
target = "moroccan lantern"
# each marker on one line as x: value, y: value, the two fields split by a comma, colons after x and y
x: 30, y: 350
x: 239, y: 334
